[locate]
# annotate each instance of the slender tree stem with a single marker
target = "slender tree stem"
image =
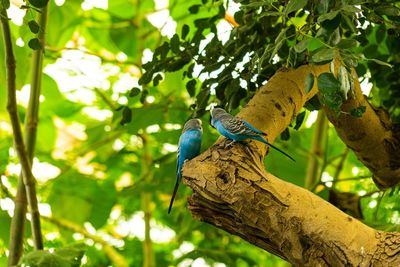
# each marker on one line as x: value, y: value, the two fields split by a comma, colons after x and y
x: 339, y: 167
x: 317, y: 150
x: 148, y: 253
x: 28, y: 179
x: 31, y: 121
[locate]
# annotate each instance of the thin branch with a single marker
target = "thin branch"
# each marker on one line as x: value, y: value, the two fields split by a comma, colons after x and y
x: 28, y: 178
x: 31, y: 121
x: 362, y: 177
x: 148, y: 253
x: 339, y: 167
x: 318, y: 149
x: 111, y: 252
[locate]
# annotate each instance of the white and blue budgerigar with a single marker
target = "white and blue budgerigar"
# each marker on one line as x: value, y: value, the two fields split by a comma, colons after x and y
x: 237, y: 129
x: 188, y: 148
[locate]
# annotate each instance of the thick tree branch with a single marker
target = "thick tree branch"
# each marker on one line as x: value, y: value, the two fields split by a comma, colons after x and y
x: 233, y: 191
x: 371, y: 137
x: 29, y: 180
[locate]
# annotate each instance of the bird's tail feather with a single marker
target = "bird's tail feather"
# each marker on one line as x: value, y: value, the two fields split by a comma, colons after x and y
x: 274, y: 147
x: 173, y: 195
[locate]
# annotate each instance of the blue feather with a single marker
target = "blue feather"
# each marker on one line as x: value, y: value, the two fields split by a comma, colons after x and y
x: 237, y: 129
x: 188, y: 148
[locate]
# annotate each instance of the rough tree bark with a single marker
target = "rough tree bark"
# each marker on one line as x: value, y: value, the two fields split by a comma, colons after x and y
x: 233, y: 191
x: 372, y: 138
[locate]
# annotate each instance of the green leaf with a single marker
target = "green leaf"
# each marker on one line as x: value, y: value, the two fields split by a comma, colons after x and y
x: 134, y: 92
x: 329, y: 88
x: 5, y: 4
x: 301, y: 46
x: 33, y: 26
x: 324, y: 55
x: 351, y: 9
x: 38, y: 3
x: 328, y: 16
x: 344, y: 79
x: 357, y: 112
x: 350, y: 23
x: 118, y: 36
x: 185, y: 31
x: 285, y: 135
x: 333, y: 101
x: 388, y: 10
x: 146, y: 78
x: 347, y: 43
x: 64, y: 21
x: 126, y: 116
x: 63, y: 257
x: 92, y: 202
x: 35, y: 44
x: 380, y: 62
x: 175, y: 44
x: 55, y: 102
x: 143, y: 96
x: 295, y: 5
x: 194, y: 9
x: 314, y: 43
x: 308, y: 82
x: 327, y: 83
x: 157, y: 79
x: 299, y: 119
x: 191, y: 87
x: 122, y: 9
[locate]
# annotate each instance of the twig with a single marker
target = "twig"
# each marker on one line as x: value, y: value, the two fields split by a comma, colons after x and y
x: 28, y: 178
x: 111, y: 253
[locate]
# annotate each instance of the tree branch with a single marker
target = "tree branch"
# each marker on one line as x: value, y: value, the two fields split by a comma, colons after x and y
x: 371, y: 137
x: 29, y: 180
x: 233, y: 191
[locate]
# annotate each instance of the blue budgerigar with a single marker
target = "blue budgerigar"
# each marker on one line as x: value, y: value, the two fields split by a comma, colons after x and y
x: 188, y: 148
x: 237, y: 129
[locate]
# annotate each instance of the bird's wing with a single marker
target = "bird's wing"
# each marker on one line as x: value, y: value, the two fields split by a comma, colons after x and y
x: 251, y: 127
x: 237, y: 126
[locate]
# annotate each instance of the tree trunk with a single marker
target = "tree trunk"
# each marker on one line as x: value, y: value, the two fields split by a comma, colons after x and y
x: 233, y: 191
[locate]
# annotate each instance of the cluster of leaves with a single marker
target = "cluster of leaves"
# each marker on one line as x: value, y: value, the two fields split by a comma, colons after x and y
x: 273, y: 34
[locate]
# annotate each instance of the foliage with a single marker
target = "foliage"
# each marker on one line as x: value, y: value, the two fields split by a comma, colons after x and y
x: 110, y: 116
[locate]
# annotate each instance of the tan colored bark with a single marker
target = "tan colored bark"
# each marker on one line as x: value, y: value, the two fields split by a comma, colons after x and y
x: 371, y: 137
x: 233, y: 191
